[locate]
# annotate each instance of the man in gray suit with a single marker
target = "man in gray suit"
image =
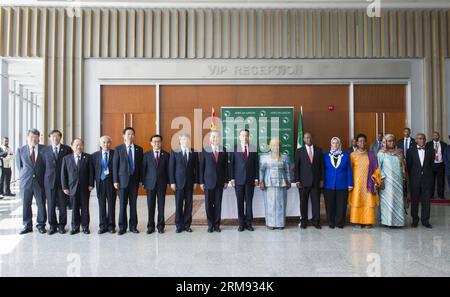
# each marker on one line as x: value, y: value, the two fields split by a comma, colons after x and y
x: 30, y: 163
x: 377, y: 144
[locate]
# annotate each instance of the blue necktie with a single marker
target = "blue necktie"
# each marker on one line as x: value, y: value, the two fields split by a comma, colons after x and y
x: 104, y: 165
x: 56, y: 153
x: 130, y: 161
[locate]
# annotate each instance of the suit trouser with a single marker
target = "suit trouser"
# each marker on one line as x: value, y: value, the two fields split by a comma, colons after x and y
x: 420, y: 193
x: 336, y: 206
x: 244, y: 193
x: 439, y: 179
x: 156, y: 196
x: 305, y: 193
x: 5, y: 181
x: 106, y: 194
x: 213, y: 205
x: 38, y: 192
x: 448, y: 181
x: 80, y: 210
x: 183, y: 214
x: 56, y: 197
x: 128, y: 195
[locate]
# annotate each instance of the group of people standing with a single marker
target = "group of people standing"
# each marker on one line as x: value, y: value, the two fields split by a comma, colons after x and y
x: 60, y: 177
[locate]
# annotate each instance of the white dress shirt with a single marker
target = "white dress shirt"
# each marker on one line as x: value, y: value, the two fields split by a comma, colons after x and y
x: 439, y: 151
x: 185, y: 151
x: 421, y: 155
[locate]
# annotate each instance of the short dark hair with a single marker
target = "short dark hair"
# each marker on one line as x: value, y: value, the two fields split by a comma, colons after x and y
x: 245, y: 130
x: 156, y: 135
x: 34, y: 131
x: 55, y: 131
x: 77, y: 138
x: 409, y: 129
x: 6, y: 137
x: 361, y: 135
x: 128, y: 128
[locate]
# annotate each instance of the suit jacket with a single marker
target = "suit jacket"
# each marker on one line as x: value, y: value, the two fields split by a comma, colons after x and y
x: 374, y: 147
x: 75, y: 179
x: 418, y: 174
x: 339, y: 177
x: 3, y: 154
x: 97, y: 160
x: 430, y: 145
x: 120, y: 165
x: 53, y: 166
x: 182, y: 174
x: 350, y: 150
x: 155, y: 174
x: 214, y: 173
x: 309, y: 174
x: 401, y: 142
x: 447, y: 160
x: 244, y: 171
x: 26, y: 169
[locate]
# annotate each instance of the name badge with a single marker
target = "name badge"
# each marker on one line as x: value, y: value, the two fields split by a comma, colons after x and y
x: 106, y: 172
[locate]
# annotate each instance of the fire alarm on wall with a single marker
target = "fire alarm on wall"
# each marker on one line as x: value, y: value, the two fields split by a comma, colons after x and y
x: 330, y: 107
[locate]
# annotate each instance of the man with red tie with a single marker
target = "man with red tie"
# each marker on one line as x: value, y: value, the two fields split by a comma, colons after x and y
x: 214, y: 179
x: 438, y: 148
x: 31, y: 167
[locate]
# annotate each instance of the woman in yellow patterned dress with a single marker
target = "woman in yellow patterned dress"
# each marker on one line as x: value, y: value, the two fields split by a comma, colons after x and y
x: 363, y: 199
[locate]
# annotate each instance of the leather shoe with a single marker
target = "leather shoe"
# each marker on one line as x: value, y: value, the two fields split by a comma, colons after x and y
x: 179, y: 231
x: 415, y: 224
x: 188, y: 229
x: 62, y: 230
x: 76, y: 231
x: 121, y: 232
x: 26, y: 230
x: 86, y: 231
x: 303, y: 226
x: 112, y: 230
x: 241, y: 228
x: 150, y: 231
x: 217, y: 229
x: 161, y: 231
x: 51, y: 231
x: 331, y: 226
x: 250, y: 228
x: 42, y: 230
x: 428, y: 225
x: 317, y: 226
x: 134, y: 231
x: 210, y: 230
x: 101, y: 231
x: 14, y: 195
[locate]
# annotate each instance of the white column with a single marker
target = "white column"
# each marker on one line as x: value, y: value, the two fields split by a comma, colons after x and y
x: 4, y: 99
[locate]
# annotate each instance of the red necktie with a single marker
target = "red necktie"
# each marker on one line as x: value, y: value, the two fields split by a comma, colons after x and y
x: 245, y: 153
x: 157, y: 157
x: 310, y: 154
x: 33, y: 156
x: 216, y: 155
x: 436, y: 156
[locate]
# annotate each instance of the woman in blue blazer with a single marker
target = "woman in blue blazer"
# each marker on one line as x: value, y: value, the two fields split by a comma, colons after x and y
x: 338, y: 181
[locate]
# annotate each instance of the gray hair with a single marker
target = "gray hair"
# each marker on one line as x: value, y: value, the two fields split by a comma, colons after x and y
x: 105, y: 138
x: 34, y: 131
x: 185, y: 135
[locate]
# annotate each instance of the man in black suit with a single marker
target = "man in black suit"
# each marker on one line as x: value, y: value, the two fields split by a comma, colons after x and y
x: 353, y: 147
x: 214, y: 179
x: 419, y: 161
x: 155, y: 177
x: 77, y: 180
x: 6, y: 160
x: 31, y: 167
x: 406, y: 142
x: 438, y: 148
x: 127, y: 163
x: 183, y: 175
x: 244, y: 168
x: 106, y: 193
x: 309, y: 176
x: 53, y: 156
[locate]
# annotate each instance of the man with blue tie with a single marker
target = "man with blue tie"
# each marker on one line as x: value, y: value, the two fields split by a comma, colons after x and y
x: 155, y: 177
x: 31, y: 168
x: 214, y: 179
x: 183, y: 175
x: 127, y: 162
x: 106, y: 193
x: 377, y: 144
x: 244, y: 177
x: 53, y: 156
x: 406, y: 142
x: 77, y: 180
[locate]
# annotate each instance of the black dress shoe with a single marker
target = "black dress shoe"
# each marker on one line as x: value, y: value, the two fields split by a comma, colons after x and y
x: 210, y: 230
x: 250, y: 228
x: 42, y: 230
x: 51, y: 231
x: 102, y: 231
x: 188, y: 229
x: 217, y: 229
x: 121, y: 232
x: 331, y: 226
x: 415, y: 224
x: 75, y: 231
x: 427, y: 225
x: 241, y: 228
x: 179, y: 230
x: 1, y: 197
x: 150, y: 231
x: 341, y: 227
x: 161, y: 231
x: 14, y: 195
x: 86, y: 231
x: 26, y: 230
x: 317, y: 226
x: 303, y: 226
x: 134, y: 231
x: 112, y: 230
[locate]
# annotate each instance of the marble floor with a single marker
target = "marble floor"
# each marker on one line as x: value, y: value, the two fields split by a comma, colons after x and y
x: 291, y: 252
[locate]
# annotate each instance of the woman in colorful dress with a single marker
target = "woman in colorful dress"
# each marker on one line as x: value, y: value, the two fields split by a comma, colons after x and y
x: 363, y: 199
x: 392, y: 167
x: 274, y: 176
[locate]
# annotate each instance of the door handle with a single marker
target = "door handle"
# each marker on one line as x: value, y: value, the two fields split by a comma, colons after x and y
x: 384, y: 123
x: 131, y: 119
x: 376, y: 125
x: 124, y: 120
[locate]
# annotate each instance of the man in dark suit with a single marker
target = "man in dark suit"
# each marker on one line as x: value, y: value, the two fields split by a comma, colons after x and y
x: 77, y: 180
x: 53, y: 155
x: 183, y: 175
x: 419, y: 161
x: 31, y: 167
x: 353, y: 147
x: 106, y: 193
x: 406, y: 142
x: 438, y: 148
x: 214, y: 179
x: 155, y: 177
x: 127, y: 163
x: 6, y: 162
x: 244, y: 168
x: 377, y: 144
x: 309, y: 176
x: 447, y: 162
